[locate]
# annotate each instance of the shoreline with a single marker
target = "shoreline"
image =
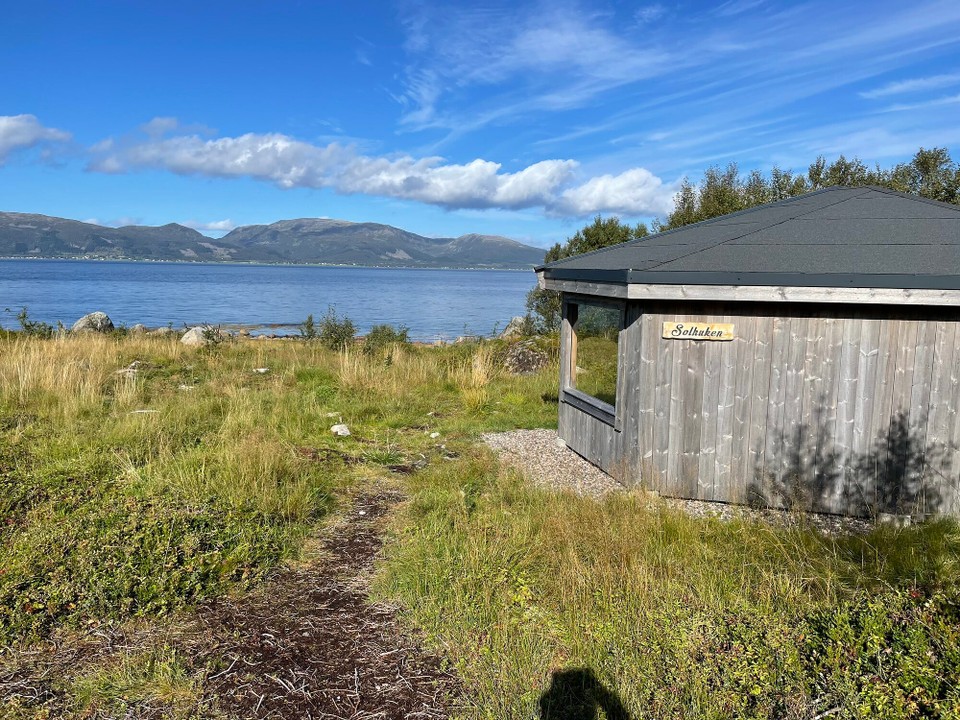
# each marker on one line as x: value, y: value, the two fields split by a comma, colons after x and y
x: 21, y: 258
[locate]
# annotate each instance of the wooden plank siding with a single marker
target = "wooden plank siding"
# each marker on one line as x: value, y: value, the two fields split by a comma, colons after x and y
x: 833, y: 408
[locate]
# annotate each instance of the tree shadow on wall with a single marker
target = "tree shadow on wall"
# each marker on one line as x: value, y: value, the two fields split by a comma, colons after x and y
x: 900, y: 474
x: 577, y: 694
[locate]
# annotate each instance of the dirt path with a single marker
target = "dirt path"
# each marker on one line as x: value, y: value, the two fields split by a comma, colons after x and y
x: 306, y: 644
x: 310, y: 645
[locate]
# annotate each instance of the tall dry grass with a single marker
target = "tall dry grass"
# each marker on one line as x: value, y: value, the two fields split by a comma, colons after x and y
x: 408, y: 372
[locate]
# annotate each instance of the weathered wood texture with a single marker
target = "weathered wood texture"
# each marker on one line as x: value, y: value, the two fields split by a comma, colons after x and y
x: 829, y: 408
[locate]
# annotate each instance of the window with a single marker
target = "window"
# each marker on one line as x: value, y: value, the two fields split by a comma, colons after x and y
x: 592, y: 339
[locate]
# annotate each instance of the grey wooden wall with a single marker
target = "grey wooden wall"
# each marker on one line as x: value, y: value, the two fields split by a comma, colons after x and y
x: 840, y: 409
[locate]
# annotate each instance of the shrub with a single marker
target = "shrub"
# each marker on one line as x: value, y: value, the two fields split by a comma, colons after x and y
x: 336, y: 332
x: 34, y: 327
x: 308, y: 329
x: 384, y: 336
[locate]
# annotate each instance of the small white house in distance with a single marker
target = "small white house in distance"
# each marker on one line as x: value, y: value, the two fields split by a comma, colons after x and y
x: 805, y: 353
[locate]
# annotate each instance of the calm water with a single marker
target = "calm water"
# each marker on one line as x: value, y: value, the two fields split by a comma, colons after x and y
x: 433, y: 304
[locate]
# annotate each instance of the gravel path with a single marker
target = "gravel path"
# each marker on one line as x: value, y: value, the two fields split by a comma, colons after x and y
x: 546, y: 461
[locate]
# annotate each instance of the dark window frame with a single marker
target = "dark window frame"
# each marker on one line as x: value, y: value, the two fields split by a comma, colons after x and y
x: 569, y: 394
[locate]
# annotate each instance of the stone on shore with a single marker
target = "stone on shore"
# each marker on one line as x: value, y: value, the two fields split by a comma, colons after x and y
x: 94, y: 322
x: 517, y: 327
x: 202, y: 335
x: 138, y: 329
x: 163, y: 332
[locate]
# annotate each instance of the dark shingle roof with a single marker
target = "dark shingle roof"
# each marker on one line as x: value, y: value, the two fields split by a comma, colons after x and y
x: 836, y: 237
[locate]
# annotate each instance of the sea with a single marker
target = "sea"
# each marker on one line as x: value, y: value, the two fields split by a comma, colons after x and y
x: 434, y: 305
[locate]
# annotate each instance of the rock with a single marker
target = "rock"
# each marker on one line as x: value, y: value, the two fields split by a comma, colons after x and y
x: 523, y: 358
x: 341, y: 430
x: 261, y: 371
x: 138, y: 329
x: 244, y: 333
x: 517, y: 327
x: 202, y: 335
x: 434, y: 435
x: 464, y: 339
x: 894, y: 519
x: 131, y: 370
x: 94, y: 322
x: 163, y: 332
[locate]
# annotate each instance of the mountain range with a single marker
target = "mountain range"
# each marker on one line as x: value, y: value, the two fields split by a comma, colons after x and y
x: 304, y: 241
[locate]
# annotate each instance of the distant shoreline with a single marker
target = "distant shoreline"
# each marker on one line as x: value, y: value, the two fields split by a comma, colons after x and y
x: 263, y: 264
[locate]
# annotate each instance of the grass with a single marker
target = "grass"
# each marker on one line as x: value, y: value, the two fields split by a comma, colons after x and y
x: 674, y: 616
x: 135, y: 495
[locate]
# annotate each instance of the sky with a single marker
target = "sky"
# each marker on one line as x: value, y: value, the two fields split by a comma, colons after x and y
x: 523, y: 119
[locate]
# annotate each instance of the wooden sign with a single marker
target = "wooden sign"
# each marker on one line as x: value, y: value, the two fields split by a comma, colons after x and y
x: 697, y: 331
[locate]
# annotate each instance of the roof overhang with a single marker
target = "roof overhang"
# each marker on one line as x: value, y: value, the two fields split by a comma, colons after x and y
x: 942, y: 290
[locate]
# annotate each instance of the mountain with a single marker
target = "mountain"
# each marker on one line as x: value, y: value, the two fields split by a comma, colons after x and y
x: 307, y: 240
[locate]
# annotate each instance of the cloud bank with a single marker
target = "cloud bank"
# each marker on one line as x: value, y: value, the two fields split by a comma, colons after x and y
x: 19, y: 132
x: 292, y: 163
x: 223, y: 226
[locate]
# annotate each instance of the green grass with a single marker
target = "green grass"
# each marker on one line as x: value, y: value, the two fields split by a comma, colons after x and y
x: 677, y: 617
x: 124, y: 496
x: 597, y: 367
x: 541, y: 600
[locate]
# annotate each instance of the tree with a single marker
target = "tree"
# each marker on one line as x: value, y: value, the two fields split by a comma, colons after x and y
x: 543, y: 306
x: 724, y: 191
x: 930, y: 174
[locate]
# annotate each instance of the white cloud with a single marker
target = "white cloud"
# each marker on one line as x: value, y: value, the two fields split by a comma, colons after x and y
x: 634, y: 192
x: 160, y: 126
x: 116, y: 222
x: 934, y: 82
x: 736, y: 7
x: 212, y: 226
x: 936, y: 102
x: 18, y: 132
x: 650, y: 13
x: 559, y: 59
x: 288, y: 163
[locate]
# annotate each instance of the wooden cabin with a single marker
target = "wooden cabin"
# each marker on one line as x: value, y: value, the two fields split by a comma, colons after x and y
x: 805, y: 353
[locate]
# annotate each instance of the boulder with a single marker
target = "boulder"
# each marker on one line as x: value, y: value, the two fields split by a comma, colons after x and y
x: 138, y: 329
x: 94, y: 322
x: 163, y: 332
x: 202, y: 335
x: 341, y: 430
x: 524, y: 358
x: 517, y: 327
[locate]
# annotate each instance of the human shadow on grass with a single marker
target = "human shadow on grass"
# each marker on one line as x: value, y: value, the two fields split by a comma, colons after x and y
x: 577, y: 694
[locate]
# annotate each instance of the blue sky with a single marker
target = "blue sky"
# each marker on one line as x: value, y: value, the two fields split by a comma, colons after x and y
x: 519, y: 119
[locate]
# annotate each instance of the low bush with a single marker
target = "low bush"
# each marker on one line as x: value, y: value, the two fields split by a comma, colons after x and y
x: 336, y: 332
x: 34, y: 328
x: 117, y: 557
x: 383, y: 337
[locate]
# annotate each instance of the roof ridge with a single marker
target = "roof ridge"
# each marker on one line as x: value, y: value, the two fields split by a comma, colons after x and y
x: 911, y: 196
